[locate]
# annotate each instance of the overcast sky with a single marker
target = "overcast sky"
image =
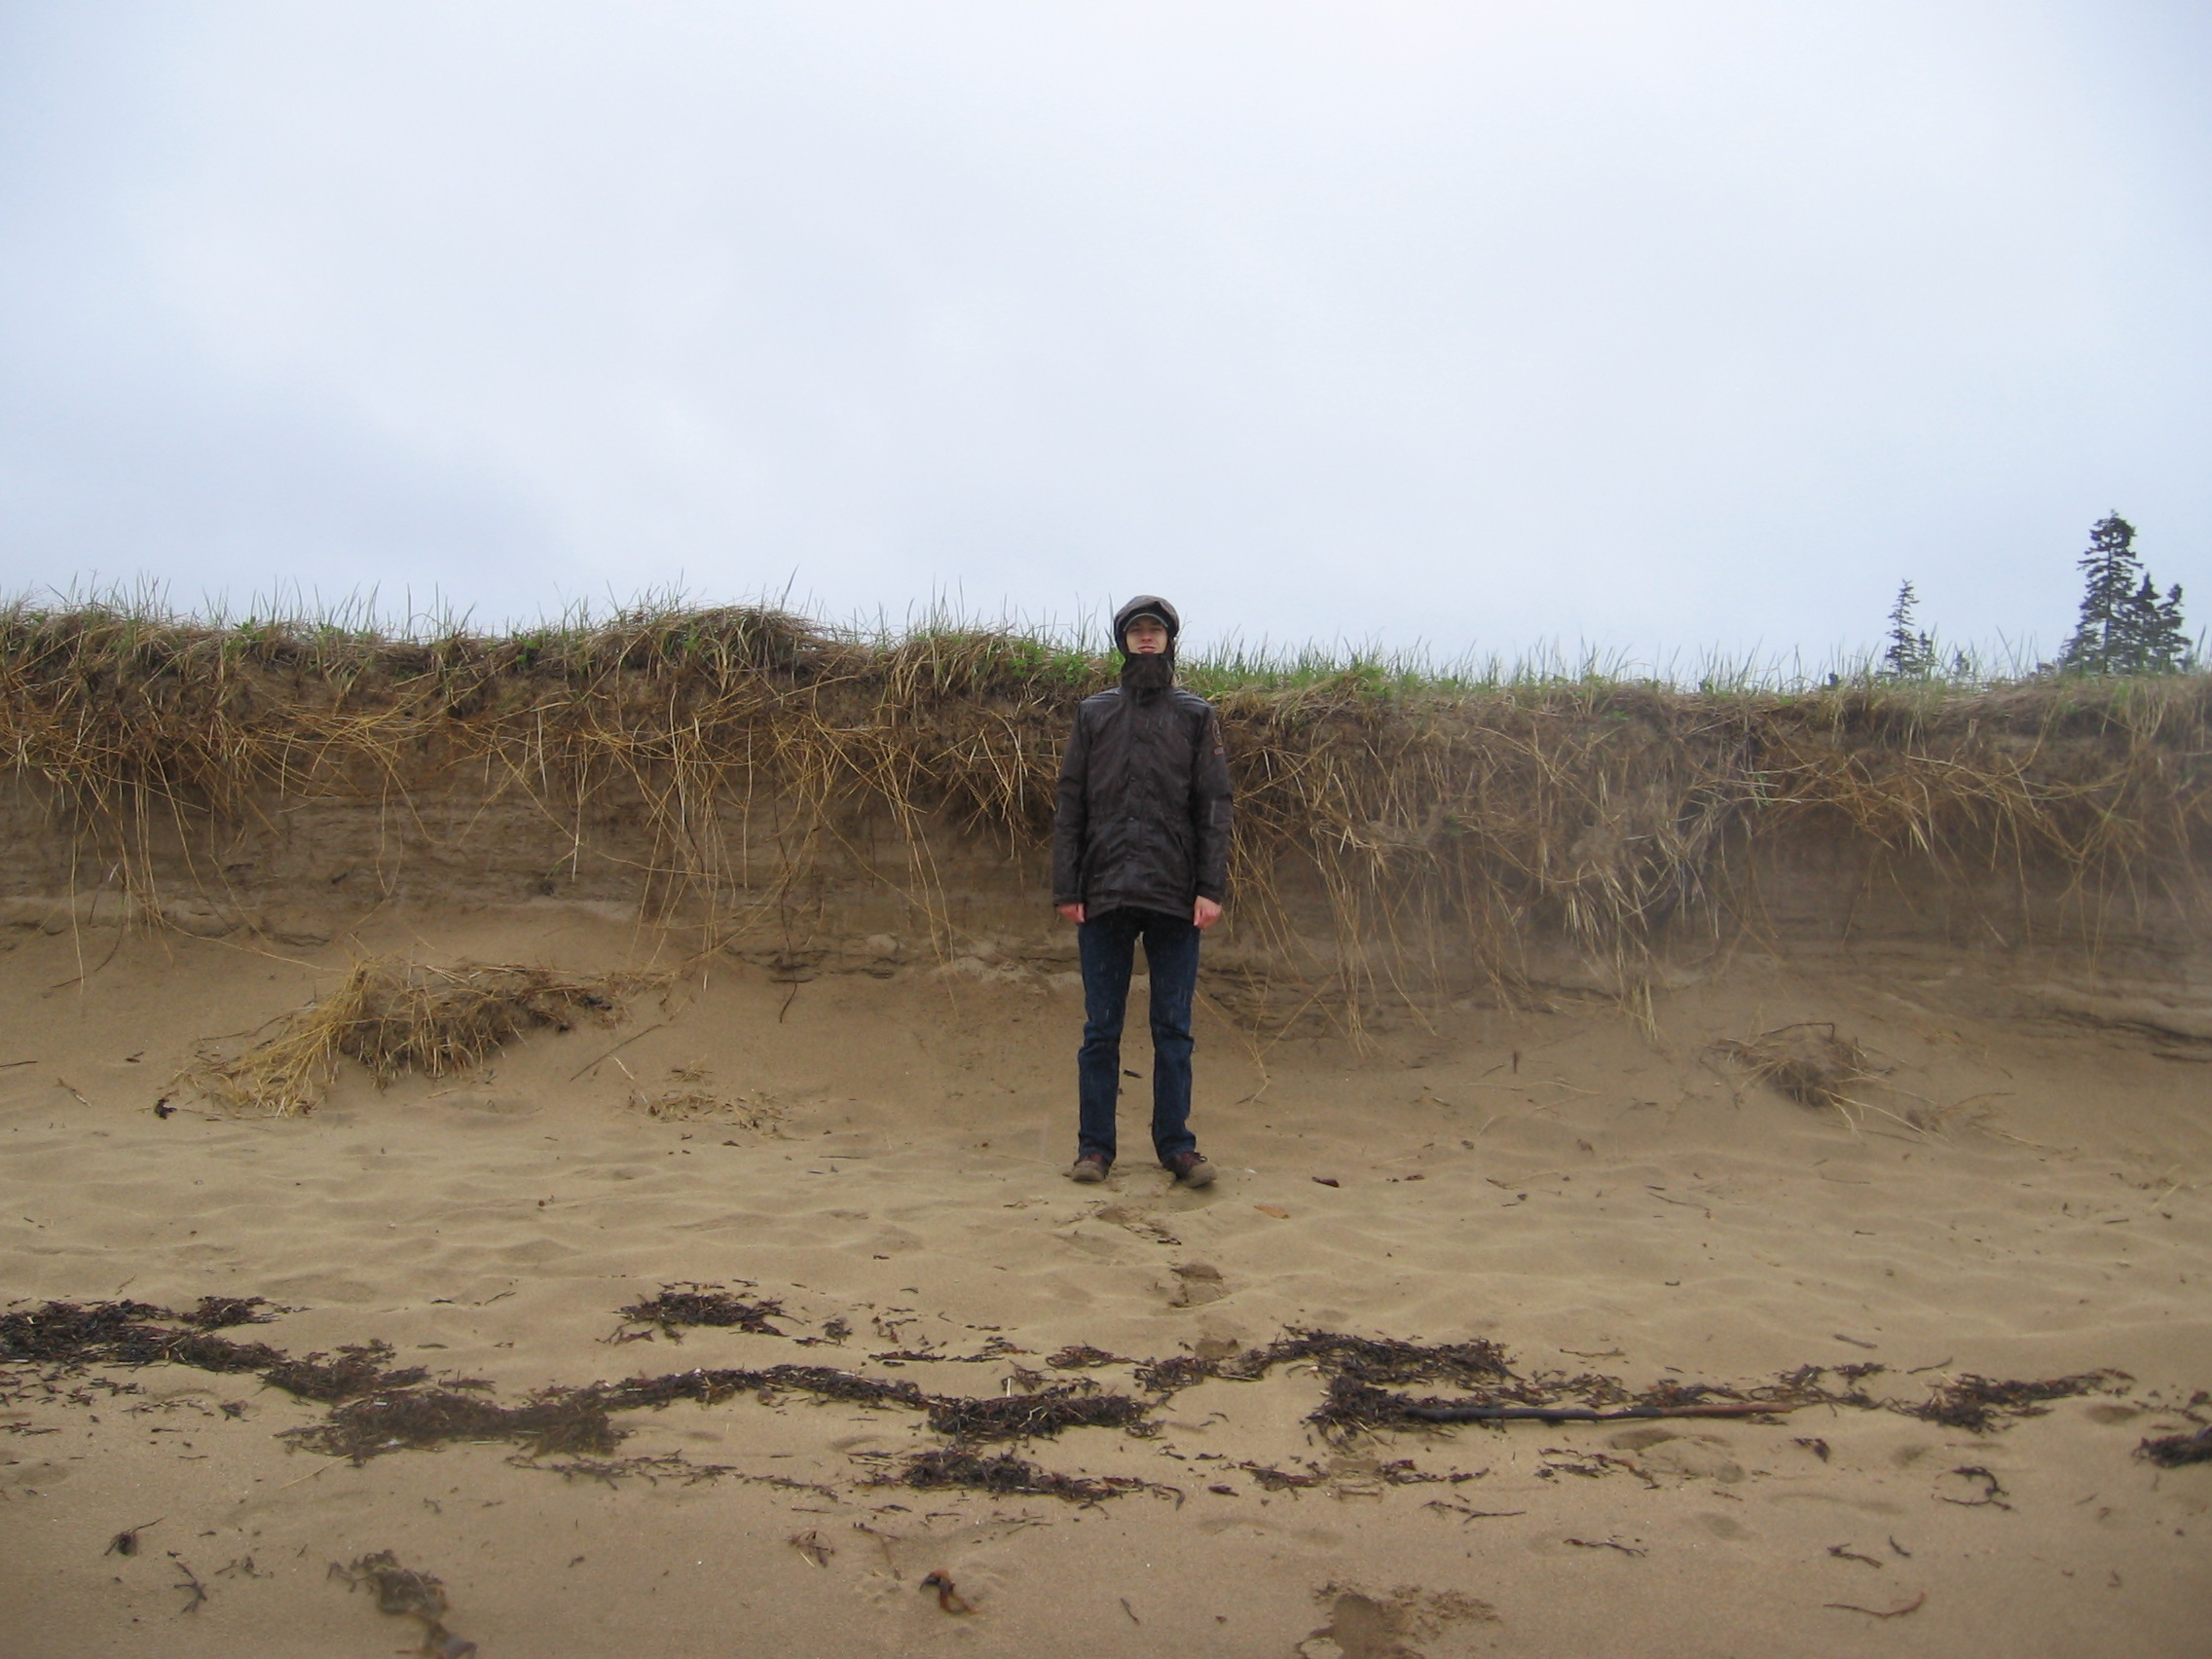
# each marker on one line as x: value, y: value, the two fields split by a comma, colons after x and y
x: 1657, y: 327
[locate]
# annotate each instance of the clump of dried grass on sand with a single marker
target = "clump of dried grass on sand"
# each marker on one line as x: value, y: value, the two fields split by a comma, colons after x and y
x: 1810, y: 1063
x: 686, y: 1098
x: 397, y: 1016
x: 1807, y: 1061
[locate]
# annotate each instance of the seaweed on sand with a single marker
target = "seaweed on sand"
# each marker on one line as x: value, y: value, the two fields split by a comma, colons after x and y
x: 359, y: 1369
x: 993, y: 1348
x: 1367, y: 1359
x: 398, y: 1588
x: 1362, y: 1374
x: 579, y: 1420
x: 2172, y: 1450
x: 223, y: 1313
x: 1977, y: 1403
x: 672, y: 1465
x: 1080, y: 1357
x: 1269, y: 1478
x: 1355, y: 1405
x: 962, y: 1415
x: 679, y: 1305
x: 710, y: 1385
x: 1005, y: 1474
x: 70, y: 1336
x: 409, y: 1593
x: 555, y: 1420
x: 1019, y: 1416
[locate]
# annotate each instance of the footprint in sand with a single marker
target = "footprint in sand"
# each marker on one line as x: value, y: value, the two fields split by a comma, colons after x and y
x: 1368, y: 1624
x: 1687, y: 1456
x: 1135, y: 1221
x: 1196, y: 1283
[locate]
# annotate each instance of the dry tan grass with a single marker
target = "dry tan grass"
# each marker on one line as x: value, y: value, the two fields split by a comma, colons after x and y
x: 1807, y: 1061
x: 1426, y: 827
x: 693, y: 1104
x: 396, y: 1017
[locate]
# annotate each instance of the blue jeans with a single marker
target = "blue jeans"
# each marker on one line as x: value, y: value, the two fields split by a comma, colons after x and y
x: 1107, y: 946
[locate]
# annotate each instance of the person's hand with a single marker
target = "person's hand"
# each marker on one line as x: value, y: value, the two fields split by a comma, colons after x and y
x: 1204, y: 913
x: 1074, y: 912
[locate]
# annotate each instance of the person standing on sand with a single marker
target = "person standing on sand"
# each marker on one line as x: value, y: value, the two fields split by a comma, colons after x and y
x: 1140, y: 850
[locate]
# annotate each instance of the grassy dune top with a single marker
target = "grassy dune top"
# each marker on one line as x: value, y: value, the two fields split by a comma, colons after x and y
x: 1603, y: 804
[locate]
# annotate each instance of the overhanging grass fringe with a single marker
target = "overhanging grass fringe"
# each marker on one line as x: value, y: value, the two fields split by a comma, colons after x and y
x: 1428, y: 814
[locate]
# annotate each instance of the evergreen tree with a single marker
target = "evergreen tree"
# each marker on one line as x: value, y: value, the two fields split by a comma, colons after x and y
x: 2101, y: 642
x: 1911, y: 655
x: 2160, y: 636
x: 2126, y: 627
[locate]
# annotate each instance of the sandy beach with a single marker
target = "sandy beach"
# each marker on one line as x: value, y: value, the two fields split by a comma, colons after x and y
x: 877, y: 1160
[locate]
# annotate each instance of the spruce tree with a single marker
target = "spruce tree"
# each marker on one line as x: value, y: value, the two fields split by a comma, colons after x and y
x: 1911, y: 654
x: 2157, y: 632
x: 2103, y: 641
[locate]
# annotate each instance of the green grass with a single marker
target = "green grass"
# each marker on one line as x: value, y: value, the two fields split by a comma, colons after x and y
x: 958, y: 650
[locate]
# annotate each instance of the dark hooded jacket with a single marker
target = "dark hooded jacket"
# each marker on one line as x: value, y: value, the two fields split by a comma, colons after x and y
x: 1142, y: 816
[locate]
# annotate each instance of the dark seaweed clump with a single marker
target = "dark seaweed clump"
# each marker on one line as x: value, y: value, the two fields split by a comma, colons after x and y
x: 1019, y: 1416
x: 1976, y: 1403
x: 415, y: 1595
x: 398, y: 1588
x: 69, y: 1336
x: 124, y: 1333
x: 1377, y: 1361
x: 1363, y: 1372
x: 967, y: 1418
x: 824, y: 1382
x: 1081, y: 1356
x: 557, y: 1420
x: 1357, y: 1404
x: 356, y: 1370
x: 994, y: 1347
x: 222, y: 1312
x: 578, y: 1421
x: 1005, y: 1474
x: 2172, y: 1450
x: 679, y: 1305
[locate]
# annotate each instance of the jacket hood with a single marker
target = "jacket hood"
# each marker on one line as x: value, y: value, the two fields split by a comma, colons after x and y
x: 1146, y: 604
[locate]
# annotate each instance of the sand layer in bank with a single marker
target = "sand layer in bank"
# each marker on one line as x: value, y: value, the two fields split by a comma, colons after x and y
x: 881, y: 1157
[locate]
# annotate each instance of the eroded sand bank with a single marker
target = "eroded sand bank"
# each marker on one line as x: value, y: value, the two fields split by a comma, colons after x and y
x: 1592, y: 1196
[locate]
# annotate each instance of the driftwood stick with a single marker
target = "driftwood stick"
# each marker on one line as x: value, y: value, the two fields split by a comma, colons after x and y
x: 1584, y: 1414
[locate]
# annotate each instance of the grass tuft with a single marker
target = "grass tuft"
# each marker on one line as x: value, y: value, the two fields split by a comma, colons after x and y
x: 396, y: 1017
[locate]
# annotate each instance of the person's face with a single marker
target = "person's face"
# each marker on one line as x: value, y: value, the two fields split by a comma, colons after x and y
x: 1147, y: 636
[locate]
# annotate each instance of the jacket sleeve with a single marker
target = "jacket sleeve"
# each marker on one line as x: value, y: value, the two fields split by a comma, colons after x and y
x: 1071, y: 814
x: 1211, y: 810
